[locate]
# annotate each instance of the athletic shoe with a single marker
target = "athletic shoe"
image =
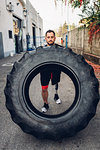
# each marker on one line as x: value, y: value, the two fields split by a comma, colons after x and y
x: 57, y: 99
x: 45, y: 108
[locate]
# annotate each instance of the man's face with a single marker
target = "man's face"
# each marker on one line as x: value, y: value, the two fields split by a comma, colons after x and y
x: 50, y: 38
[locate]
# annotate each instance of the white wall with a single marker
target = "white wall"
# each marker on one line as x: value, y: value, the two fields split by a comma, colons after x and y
x: 6, y: 23
x: 39, y: 33
x: 34, y: 18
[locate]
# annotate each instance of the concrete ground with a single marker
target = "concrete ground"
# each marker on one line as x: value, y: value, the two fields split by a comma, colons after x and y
x: 13, y: 138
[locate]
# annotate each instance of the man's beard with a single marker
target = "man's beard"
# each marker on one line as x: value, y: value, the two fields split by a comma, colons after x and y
x: 50, y: 43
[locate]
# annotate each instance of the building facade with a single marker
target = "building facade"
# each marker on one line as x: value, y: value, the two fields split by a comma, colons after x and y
x: 21, y: 27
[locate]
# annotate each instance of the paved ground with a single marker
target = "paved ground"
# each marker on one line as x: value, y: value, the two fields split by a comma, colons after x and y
x: 67, y: 94
x: 96, y: 70
x: 13, y: 138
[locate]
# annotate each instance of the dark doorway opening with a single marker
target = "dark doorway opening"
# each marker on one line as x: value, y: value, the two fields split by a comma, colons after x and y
x: 34, y: 35
x: 18, y: 34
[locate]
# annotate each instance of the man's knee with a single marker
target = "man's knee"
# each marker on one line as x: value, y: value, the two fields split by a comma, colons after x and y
x: 44, y: 90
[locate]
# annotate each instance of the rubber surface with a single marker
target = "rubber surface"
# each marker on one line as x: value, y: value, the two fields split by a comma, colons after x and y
x: 59, y: 126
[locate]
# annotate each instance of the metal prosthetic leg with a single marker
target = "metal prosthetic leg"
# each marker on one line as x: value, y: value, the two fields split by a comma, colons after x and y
x: 56, y: 94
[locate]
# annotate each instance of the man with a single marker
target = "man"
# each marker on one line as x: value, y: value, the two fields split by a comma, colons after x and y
x: 62, y: 41
x: 46, y: 74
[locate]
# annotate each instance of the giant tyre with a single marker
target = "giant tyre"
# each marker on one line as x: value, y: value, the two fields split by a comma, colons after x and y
x: 44, y: 126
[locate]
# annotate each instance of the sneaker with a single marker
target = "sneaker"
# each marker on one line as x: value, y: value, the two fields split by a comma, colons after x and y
x: 57, y: 99
x: 45, y: 108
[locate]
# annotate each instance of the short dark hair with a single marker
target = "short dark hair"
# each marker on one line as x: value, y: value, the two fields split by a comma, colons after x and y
x: 49, y: 32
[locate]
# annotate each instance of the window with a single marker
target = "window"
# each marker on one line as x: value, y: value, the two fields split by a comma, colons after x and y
x: 10, y: 34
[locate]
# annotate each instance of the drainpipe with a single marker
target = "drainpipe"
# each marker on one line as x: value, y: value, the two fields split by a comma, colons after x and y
x: 66, y: 41
x: 83, y: 37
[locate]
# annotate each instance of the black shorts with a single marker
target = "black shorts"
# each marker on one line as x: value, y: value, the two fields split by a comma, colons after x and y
x: 45, y: 77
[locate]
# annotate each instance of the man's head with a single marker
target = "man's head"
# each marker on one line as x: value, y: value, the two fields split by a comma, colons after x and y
x: 50, y: 37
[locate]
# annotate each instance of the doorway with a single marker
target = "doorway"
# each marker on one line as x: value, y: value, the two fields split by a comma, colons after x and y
x: 17, y: 34
x: 34, y: 35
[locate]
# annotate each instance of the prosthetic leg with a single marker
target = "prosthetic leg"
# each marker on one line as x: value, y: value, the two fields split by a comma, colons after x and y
x: 56, y: 97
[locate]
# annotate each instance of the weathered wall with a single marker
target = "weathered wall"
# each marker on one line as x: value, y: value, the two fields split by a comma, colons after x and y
x: 78, y: 41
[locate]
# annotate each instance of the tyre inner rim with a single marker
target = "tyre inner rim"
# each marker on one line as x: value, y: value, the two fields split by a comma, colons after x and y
x: 36, y: 70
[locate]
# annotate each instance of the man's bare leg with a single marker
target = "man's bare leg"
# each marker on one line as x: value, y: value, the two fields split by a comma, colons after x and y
x: 45, y: 99
x: 45, y: 95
